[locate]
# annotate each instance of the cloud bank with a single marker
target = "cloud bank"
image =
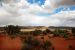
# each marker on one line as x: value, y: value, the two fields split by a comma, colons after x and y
x: 21, y: 12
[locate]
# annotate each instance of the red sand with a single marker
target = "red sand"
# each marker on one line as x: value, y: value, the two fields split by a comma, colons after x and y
x: 62, y: 44
x: 58, y: 42
x: 6, y: 43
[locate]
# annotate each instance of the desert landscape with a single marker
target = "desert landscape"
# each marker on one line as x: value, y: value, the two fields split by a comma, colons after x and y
x: 37, y: 38
x: 37, y: 24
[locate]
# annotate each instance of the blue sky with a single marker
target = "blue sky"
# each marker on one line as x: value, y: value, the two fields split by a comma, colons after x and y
x: 37, y: 12
x: 56, y: 10
x: 40, y: 2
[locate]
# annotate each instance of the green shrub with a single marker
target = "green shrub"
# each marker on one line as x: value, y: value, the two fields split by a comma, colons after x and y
x: 47, y: 45
x: 37, y: 32
x: 12, y: 30
x: 73, y: 31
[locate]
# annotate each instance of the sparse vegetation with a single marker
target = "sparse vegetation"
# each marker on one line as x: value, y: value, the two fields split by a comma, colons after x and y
x: 37, y: 39
x: 63, y: 33
x: 42, y: 37
x: 44, y: 33
x: 27, y: 47
x: 70, y: 47
x: 48, y: 31
x: 12, y: 30
x: 53, y: 48
x: 37, y: 32
x: 47, y: 45
x: 30, y: 44
x: 56, y: 33
x: 73, y: 31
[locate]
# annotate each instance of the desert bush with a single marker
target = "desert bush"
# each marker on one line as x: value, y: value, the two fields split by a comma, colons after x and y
x: 42, y: 37
x: 27, y: 47
x: 37, y: 32
x: 47, y: 45
x: 53, y: 48
x: 44, y: 33
x: 48, y: 31
x: 73, y: 31
x: 36, y: 42
x: 30, y: 44
x: 12, y: 30
x: 63, y: 33
x: 55, y: 33
x: 70, y: 46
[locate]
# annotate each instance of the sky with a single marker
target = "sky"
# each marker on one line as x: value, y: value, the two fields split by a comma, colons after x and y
x: 37, y: 12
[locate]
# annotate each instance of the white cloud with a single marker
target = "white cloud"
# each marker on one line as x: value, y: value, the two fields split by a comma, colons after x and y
x: 23, y: 13
x: 3, y: 12
x: 23, y: 4
x: 63, y: 18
